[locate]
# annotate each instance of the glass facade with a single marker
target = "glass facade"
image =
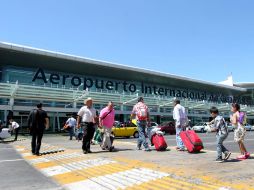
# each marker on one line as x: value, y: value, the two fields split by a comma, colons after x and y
x: 77, y: 83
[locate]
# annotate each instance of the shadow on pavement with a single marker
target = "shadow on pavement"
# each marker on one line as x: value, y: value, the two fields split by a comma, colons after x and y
x: 6, y: 141
x: 233, y: 160
x: 115, y: 150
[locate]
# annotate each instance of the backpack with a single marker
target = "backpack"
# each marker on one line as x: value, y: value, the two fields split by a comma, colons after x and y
x: 242, y: 118
x: 142, y: 113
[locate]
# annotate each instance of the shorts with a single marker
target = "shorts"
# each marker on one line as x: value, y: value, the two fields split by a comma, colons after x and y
x: 239, y: 133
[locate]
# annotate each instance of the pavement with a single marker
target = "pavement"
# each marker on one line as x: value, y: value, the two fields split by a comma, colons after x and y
x: 17, y: 173
x: 64, y: 166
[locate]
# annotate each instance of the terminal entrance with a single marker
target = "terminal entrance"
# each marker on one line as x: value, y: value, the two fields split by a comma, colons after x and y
x: 60, y: 103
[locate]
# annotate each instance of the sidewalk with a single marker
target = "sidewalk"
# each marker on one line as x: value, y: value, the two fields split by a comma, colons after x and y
x: 17, y: 174
x: 130, y: 169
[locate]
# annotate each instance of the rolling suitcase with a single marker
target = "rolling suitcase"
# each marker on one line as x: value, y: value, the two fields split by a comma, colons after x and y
x: 159, y: 142
x: 191, y: 141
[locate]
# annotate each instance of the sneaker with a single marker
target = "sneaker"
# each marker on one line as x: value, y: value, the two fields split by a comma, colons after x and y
x: 89, y: 151
x: 85, y: 152
x: 219, y: 160
x: 227, y: 155
x: 247, y: 155
x: 241, y: 157
x: 147, y: 150
x: 138, y: 148
x: 111, y: 149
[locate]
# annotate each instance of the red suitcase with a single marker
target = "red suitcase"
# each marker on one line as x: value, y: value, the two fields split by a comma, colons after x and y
x: 159, y: 142
x: 191, y: 141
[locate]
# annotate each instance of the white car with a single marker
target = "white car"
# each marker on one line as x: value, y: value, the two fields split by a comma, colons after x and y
x: 248, y: 127
x: 231, y: 127
x: 201, y: 127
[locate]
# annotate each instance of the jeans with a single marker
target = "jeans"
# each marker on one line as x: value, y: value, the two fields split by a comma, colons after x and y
x: 37, y: 135
x: 88, y: 135
x: 106, y: 142
x: 71, y: 132
x: 148, y: 131
x: 179, y: 142
x: 220, y: 147
x: 142, y: 134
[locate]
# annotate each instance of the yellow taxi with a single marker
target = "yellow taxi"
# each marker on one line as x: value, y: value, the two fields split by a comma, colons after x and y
x: 126, y: 129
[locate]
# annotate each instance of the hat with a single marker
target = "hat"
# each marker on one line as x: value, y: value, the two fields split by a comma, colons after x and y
x: 88, y: 99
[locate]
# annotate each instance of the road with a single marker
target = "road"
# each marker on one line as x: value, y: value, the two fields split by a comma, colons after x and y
x: 125, y: 168
x: 17, y: 174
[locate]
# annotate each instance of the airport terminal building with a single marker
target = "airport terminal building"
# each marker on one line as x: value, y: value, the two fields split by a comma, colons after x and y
x: 61, y: 82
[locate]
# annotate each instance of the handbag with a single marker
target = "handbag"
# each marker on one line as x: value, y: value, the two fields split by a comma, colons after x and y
x: 66, y: 127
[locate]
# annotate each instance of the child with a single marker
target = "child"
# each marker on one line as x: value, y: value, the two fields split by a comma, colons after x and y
x: 15, y: 127
x: 220, y: 127
x: 239, y: 120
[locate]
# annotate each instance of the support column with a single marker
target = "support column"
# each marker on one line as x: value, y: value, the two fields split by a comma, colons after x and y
x: 75, y: 105
x: 11, y: 103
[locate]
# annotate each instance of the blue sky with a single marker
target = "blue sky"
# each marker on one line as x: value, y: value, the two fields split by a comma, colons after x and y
x: 200, y: 39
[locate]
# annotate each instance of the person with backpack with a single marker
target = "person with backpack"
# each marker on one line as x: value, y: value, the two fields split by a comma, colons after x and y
x: 238, y: 120
x: 38, y: 121
x: 106, y: 121
x: 181, y: 121
x: 141, y: 111
x: 71, y: 123
x: 219, y: 126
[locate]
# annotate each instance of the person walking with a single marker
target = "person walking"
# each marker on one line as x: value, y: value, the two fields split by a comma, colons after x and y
x: 86, y: 119
x: 71, y: 122
x: 38, y: 121
x: 181, y: 120
x: 238, y: 120
x: 15, y: 127
x: 141, y: 111
x: 219, y: 125
x: 106, y: 121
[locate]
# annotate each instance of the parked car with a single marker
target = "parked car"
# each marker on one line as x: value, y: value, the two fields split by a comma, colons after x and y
x: 201, y: 127
x: 230, y: 127
x: 248, y: 127
x: 126, y: 129
x: 168, y: 127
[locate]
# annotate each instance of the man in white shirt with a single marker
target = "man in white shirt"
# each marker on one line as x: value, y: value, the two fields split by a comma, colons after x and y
x: 71, y: 122
x: 86, y: 119
x: 15, y: 127
x: 181, y: 119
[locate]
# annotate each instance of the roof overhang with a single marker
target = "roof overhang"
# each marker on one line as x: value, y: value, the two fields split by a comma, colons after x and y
x: 22, y: 56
